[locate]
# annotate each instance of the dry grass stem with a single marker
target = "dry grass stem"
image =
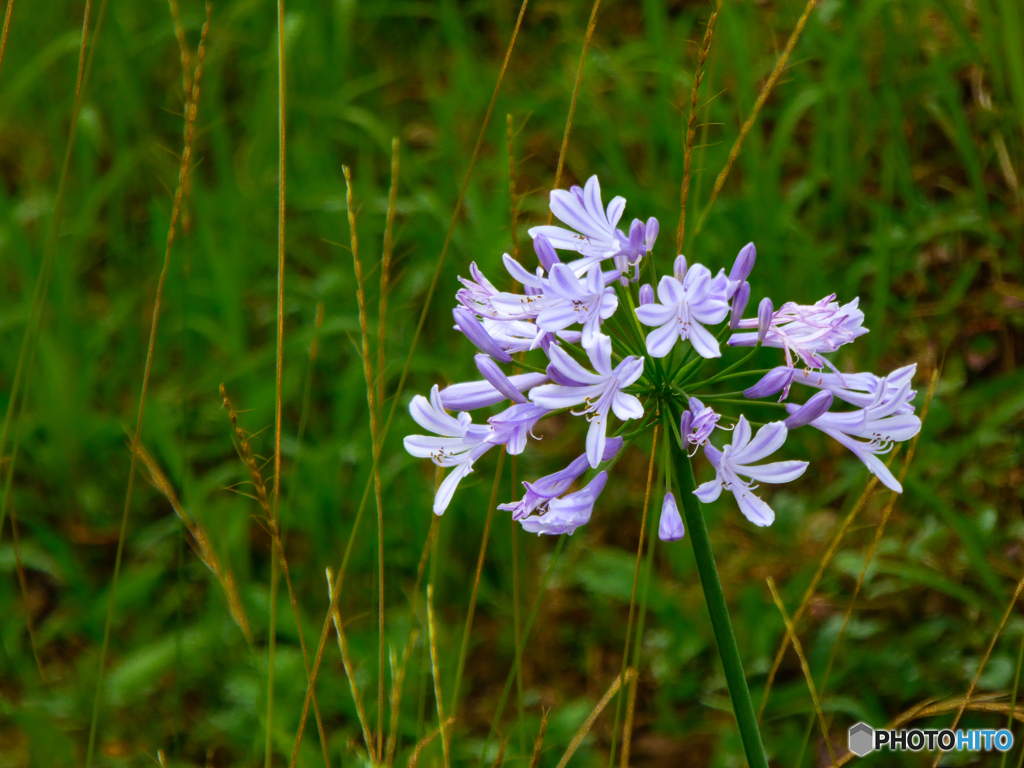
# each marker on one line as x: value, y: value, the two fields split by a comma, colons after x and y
x: 191, y: 113
x: 833, y: 547
x: 581, y: 734
x: 791, y: 632
x: 761, y: 99
x: 7, y: 26
x: 198, y: 540
x: 415, y: 757
x: 691, y: 128
x: 385, y: 269
x: 513, y: 200
x: 627, y: 728
x: 435, y: 669
x: 186, y: 54
x: 538, y: 745
x: 636, y: 579
x: 374, y: 435
x: 575, y: 94
x: 408, y: 360
x: 346, y: 659
x: 270, y: 523
x: 501, y: 755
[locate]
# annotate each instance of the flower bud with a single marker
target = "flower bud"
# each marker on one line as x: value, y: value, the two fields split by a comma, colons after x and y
x: 815, y: 407
x: 739, y: 303
x: 651, y: 234
x: 646, y: 294
x: 765, y: 311
x: 467, y: 323
x: 774, y: 381
x: 497, y: 379
x: 679, y: 268
x: 636, y: 238
x: 744, y: 263
x: 671, y: 526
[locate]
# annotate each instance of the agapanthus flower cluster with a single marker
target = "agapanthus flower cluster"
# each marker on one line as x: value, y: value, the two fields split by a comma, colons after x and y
x: 581, y: 335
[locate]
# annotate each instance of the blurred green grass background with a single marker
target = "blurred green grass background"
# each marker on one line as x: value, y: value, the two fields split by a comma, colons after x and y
x: 886, y: 164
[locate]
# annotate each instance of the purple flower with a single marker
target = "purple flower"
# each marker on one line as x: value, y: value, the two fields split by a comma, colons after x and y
x: 889, y: 418
x: 685, y: 306
x: 583, y: 210
x: 670, y: 527
x: 596, y: 237
x: 458, y: 443
x: 598, y: 392
x: 735, y: 460
x: 538, y: 494
x: 512, y: 426
x: 568, y: 513
x: 571, y: 301
x: 702, y: 424
x: 646, y: 294
x: 807, y: 331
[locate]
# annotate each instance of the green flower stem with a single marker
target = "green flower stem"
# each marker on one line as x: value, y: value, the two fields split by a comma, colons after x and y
x: 715, y: 598
x: 730, y: 369
x: 724, y: 376
x: 736, y: 401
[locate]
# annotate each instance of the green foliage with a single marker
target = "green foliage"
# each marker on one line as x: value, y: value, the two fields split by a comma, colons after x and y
x: 885, y: 164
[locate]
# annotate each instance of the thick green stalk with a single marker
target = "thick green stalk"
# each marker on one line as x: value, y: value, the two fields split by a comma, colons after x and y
x: 729, y: 652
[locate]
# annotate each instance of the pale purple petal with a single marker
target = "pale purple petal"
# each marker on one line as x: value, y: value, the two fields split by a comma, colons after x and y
x: 709, y: 491
x: 661, y: 340
x: 627, y: 406
x: 753, y: 508
x: 776, y: 472
x: 767, y: 441
x: 655, y: 314
x: 568, y: 366
x: 600, y: 354
x: 447, y: 488
x: 615, y: 209
x: 554, y: 396
x: 670, y: 291
x: 596, y: 436
x: 702, y: 340
x: 545, y: 252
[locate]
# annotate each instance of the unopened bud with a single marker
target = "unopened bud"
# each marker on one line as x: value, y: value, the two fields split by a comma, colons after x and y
x: 739, y: 304
x: 814, y: 408
x: 765, y: 310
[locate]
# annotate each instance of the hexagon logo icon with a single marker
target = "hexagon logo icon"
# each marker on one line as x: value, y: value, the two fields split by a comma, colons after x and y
x: 861, y: 739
